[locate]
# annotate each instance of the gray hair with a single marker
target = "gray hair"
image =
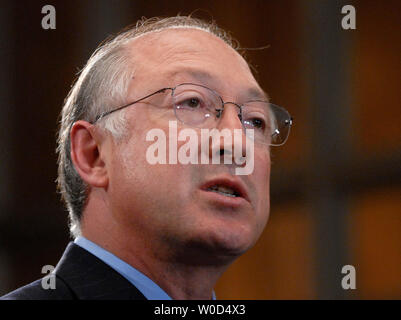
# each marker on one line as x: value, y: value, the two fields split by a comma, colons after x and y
x: 102, y: 85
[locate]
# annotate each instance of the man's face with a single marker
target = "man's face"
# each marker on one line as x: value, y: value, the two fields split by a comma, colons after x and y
x: 169, y: 204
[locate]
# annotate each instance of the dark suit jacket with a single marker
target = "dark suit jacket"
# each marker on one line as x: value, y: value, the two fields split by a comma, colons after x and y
x: 80, y: 276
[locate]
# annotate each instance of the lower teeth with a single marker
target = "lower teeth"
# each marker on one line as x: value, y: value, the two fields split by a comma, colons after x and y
x: 225, y: 194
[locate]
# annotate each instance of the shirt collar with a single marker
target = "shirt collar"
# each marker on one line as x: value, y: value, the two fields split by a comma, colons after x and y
x: 144, y: 284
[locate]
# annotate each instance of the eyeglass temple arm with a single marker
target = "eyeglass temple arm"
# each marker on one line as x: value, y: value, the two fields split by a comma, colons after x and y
x: 102, y: 115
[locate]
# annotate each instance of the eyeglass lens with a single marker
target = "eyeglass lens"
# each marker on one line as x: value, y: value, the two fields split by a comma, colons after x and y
x: 199, y: 106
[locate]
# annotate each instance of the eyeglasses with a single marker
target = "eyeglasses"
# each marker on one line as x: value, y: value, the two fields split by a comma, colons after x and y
x: 199, y: 106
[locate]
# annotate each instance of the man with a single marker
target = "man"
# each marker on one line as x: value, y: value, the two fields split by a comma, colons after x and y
x: 164, y: 230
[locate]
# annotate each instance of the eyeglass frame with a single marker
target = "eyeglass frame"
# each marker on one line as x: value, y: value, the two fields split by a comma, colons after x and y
x: 288, y: 122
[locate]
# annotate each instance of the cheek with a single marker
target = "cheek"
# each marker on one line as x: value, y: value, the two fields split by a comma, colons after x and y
x: 262, y: 170
x: 138, y: 183
x: 262, y: 181
x: 134, y: 188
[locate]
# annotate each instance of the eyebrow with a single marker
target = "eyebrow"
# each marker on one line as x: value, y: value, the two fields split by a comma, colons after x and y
x: 256, y: 94
x: 200, y: 75
x: 251, y: 93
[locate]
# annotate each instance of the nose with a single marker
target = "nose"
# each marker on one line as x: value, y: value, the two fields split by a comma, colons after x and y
x: 232, y: 141
x: 230, y: 116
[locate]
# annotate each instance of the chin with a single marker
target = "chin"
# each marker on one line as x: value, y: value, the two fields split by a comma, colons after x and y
x: 234, y: 245
x: 227, y: 243
x: 218, y: 236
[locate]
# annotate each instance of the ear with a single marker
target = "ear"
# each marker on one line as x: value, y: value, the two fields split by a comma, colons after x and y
x: 86, y: 155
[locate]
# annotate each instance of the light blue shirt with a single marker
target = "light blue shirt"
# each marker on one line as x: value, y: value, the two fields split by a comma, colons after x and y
x: 144, y: 284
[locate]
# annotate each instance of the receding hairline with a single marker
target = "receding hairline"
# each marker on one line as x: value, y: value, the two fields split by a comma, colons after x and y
x: 158, y: 32
x: 182, y: 27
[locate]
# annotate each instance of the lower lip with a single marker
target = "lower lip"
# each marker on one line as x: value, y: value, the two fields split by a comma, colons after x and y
x: 227, y: 201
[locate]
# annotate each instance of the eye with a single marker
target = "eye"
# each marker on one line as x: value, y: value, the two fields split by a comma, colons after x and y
x: 255, y: 123
x: 192, y: 103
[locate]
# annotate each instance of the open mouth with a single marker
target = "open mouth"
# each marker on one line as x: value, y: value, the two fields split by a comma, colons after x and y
x: 228, y: 187
x: 224, y: 190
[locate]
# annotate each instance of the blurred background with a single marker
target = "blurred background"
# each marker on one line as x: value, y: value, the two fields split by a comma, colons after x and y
x: 336, y: 184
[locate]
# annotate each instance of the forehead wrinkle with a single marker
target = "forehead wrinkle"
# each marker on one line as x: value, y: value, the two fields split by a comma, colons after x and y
x: 173, y: 53
x: 206, y: 78
x: 170, y: 51
x: 201, y: 76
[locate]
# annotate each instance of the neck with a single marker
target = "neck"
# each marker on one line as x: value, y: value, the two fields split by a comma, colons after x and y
x: 183, y: 274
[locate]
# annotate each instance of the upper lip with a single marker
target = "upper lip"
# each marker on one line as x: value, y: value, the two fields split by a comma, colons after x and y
x: 230, y: 182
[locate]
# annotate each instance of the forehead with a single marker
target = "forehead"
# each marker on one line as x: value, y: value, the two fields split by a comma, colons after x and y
x: 172, y: 56
x: 162, y: 45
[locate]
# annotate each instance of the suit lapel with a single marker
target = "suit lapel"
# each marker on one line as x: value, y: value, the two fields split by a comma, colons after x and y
x: 90, y: 278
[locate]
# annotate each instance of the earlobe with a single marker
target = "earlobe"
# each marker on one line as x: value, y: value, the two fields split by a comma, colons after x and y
x: 86, y: 155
